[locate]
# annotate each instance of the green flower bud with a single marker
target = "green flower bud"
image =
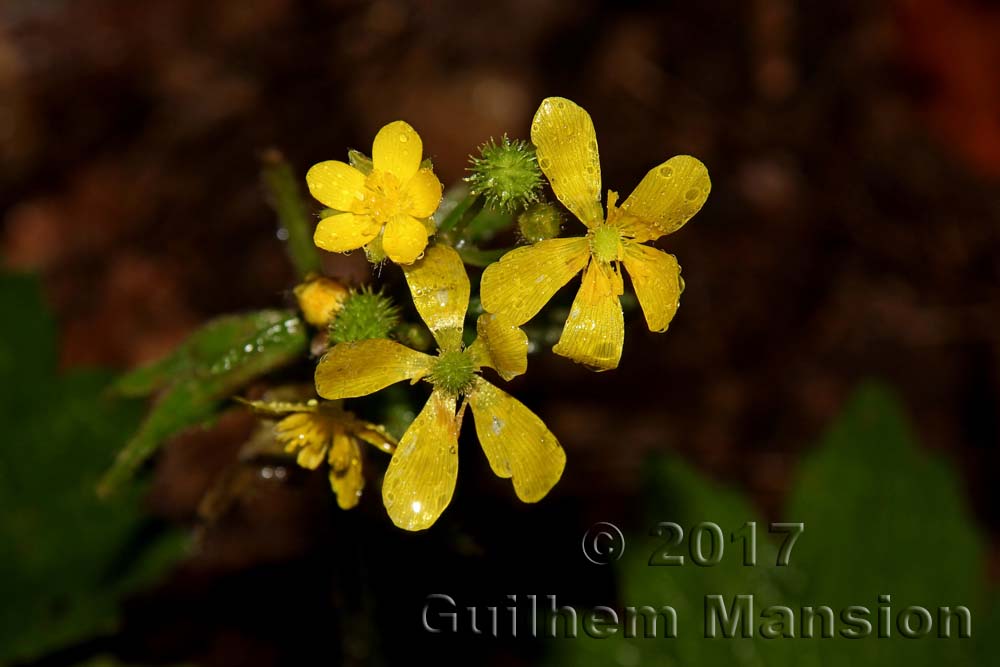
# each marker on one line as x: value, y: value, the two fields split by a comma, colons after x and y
x: 365, y: 314
x: 506, y: 174
x: 539, y: 222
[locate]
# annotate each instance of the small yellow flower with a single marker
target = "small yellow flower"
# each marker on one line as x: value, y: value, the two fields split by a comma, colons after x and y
x: 391, y: 203
x: 319, y: 431
x: 421, y: 477
x: 524, y: 280
x: 320, y: 299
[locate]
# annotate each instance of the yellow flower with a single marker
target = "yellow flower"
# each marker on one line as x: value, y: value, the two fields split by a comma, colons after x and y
x: 319, y: 431
x: 526, y: 278
x: 391, y: 202
x: 320, y: 299
x: 421, y: 477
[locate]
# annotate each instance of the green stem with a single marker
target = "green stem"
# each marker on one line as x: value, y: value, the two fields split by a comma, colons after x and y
x: 451, y: 227
x: 285, y: 197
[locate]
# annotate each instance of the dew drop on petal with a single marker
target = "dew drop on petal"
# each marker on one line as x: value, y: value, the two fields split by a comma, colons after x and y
x: 666, y: 171
x: 691, y: 194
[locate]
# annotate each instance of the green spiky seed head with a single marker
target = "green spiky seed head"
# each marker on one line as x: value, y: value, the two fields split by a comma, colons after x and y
x: 539, y: 222
x: 365, y: 314
x: 506, y: 174
x: 453, y: 372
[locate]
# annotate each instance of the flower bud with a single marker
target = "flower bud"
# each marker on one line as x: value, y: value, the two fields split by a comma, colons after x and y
x: 319, y: 300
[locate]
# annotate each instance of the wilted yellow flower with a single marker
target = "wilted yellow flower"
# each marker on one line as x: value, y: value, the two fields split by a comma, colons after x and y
x: 421, y: 477
x: 324, y: 431
x: 391, y: 203
x: 524, y: 280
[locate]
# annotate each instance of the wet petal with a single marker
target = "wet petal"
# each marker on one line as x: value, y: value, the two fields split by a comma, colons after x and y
x: 667, y: 197
x: 397, y: 149
x: 516, y: 442
x: 421, y: 476
x: 501, y: 345
x: 345, y: 232
x: 307, y: 433
x: 405, y: 239
x: 564, y: 136
x: 335, y: 184
x: 526, y: 278
x: 346, y: 477
x: 595, y: 330
x: 440, y: 289
x: 424, y: 191
x: 656, y: 278
x: 356, y: 369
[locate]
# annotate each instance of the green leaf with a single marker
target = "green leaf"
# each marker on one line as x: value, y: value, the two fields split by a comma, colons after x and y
x: 209, y: 367
x: 66, y: 558
x: 881, y: 516
x: 884, y: 517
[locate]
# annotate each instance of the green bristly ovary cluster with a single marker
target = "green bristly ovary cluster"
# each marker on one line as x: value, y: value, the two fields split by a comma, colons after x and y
x: 366, y: 314
x: 453, y: 372
x: 506, y: 174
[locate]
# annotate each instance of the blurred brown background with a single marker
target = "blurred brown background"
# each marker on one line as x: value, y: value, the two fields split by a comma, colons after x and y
x: 853, y: 229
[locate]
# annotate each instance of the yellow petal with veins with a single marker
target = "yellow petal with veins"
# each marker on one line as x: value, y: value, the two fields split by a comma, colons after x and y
x: 656, y: 278
x: 526, y: 278
x: 516, y: 442
x: 308, y: 433
x: 501, y: 345
x: 424, y: 191
x: 667, y: 197
x: 335, y: 184
x: 346, y: 477
x: 344, y: 232
x: 421, y: 476
x: 595, y: 330
x: 566, y: 144
x: 440, y: 289
x: 356, y: 369
x: 405, y: 239
x: 397, y: 149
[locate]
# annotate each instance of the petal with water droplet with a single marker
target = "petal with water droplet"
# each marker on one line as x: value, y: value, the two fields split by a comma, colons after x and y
x: 424, y: 191
x: 440, y: 288
x: 405, y: 239
x: 335, y: 184
x: 667, y: 197
x: 360, y: 368
x: 656, y: 278
x: 344, y: 232
x: 524, y: 280
x: 566, y: 143
x: 595, y: 330
x: 397, y: 149
x: 516, y: 442
x: 421, y: 476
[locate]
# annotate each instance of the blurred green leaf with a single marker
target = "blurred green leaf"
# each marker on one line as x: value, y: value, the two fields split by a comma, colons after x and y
x: 285, y: 196
x: 66, y: 558
x: 881, y: 517
x: 210, y: 366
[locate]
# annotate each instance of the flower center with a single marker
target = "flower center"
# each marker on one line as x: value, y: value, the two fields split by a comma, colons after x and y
x: 383, y: 196
x: 605, y: 243
x: 453, y: 372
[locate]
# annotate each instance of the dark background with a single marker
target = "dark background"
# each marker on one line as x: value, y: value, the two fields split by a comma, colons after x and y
x: 853, y: 230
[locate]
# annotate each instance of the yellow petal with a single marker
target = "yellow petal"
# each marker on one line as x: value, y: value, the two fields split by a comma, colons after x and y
x: 667, y: 197
x: 344, y: 232
x: 424, y: 191
x: 421, y: 476
x: 404, y: 239
x: 308, y: 433
x: 656, y: 278
x: 320, y: 299
x: 356, y: 369
x: 440, y: 289
x: 346, y: 477
x: 501, y: 345
x: 397, y: 149
x: 595, y: 330
x: 526, y: 278
x: 516, y: 442
x: 564, y: 136
x: 335, y: 184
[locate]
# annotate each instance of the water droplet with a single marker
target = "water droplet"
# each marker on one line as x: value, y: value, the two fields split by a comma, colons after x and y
x: 452, y: 450
x: 416, y: 506
x: 691, y: 194
x: 560, y: 104
x: 544, y: 163
x: 666, y: 171
x: 403, y: 138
